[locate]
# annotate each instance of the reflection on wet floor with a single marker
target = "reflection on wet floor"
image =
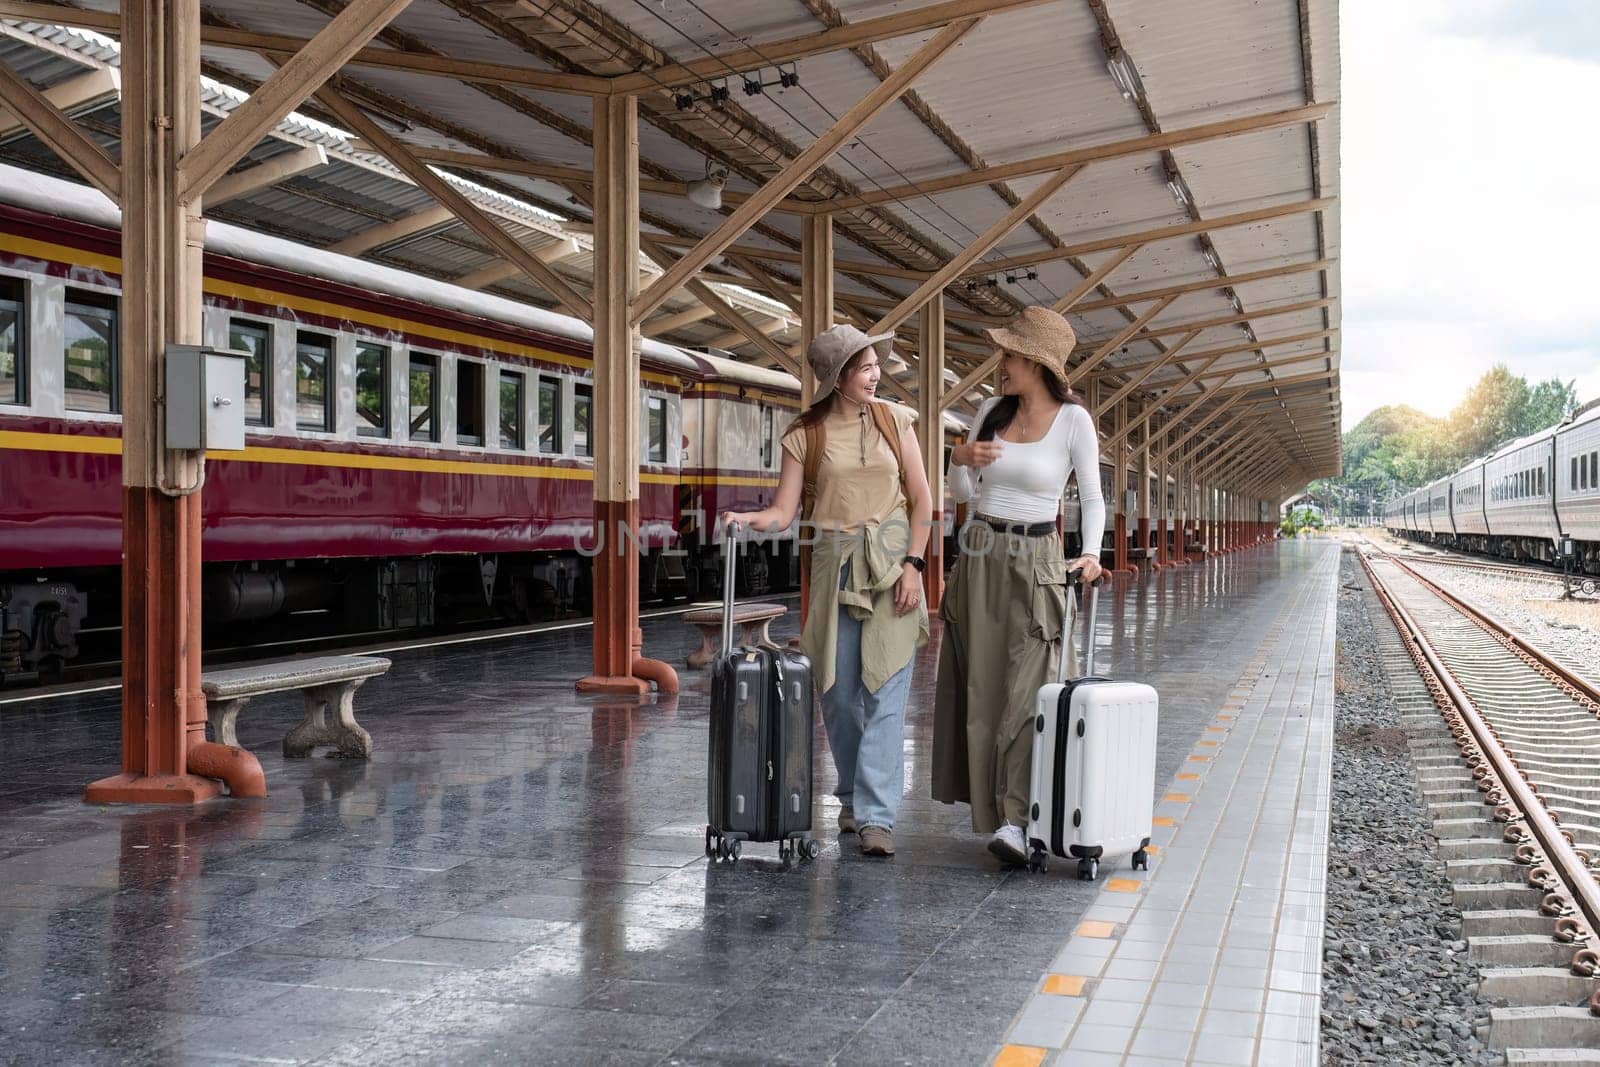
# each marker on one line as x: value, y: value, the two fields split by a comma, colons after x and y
x: 518, y: 873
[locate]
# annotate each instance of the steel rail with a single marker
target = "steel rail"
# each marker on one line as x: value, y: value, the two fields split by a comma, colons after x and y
x: 1566, y: 864
x: 1581, y: 688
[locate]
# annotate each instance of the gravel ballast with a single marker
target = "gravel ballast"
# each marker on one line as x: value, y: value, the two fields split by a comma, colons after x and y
x: 1397, y: 985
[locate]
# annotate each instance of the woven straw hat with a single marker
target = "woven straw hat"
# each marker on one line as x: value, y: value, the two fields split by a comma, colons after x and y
x: 831, y: 349
x: 1038, y: 334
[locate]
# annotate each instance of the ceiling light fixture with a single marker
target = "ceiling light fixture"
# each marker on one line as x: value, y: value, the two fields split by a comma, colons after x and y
x: 1124, y: 73
x: 707, y: 192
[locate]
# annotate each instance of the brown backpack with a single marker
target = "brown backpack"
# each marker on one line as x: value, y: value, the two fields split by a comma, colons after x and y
x: 816, y: 445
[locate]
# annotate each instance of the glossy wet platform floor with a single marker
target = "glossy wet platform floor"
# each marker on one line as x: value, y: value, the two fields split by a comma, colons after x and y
x: 518, y: 876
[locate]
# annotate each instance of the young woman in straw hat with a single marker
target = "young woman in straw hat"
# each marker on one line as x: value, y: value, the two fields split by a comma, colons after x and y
x: 867, y: 517
x: 1007, y: 602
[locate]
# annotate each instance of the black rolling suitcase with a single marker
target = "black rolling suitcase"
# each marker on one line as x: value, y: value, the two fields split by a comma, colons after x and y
x: 759, y: 786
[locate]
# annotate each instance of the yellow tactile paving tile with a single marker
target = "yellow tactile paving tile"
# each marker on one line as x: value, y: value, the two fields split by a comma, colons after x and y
x: 1123, y: 885
x: 1208, y: 744
x: 1188, y: 777
x: 1163, y: 820
x: 1216, y: 729
x: 1199, y: 759
x: 1092, y: 928
x: 1152, y: 849
x: 1064, y: 985
x: 1177, y: 798
x: 1019, y: 1056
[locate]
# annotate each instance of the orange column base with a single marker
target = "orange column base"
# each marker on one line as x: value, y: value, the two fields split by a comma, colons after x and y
x: 614, y: 579
x: 151, y: 789
x: 1119, y: 552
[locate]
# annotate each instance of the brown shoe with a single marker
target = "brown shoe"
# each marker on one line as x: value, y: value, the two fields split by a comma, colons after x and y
x: 847, y: 820
x: 876, y: 841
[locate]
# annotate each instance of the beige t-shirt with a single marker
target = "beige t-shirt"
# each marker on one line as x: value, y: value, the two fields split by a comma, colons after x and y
x: 859, y: 481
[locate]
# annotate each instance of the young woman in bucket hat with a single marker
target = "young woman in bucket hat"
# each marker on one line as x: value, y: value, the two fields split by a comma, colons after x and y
x: 850, y: 461
x: 1007, y: 603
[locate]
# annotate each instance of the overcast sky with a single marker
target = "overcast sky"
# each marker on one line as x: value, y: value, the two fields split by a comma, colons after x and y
x: 1470, y: 183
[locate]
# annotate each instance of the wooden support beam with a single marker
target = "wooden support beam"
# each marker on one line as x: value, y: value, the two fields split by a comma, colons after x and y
x: 930, y: 437
x: 263, y: 175
x: 288, y: 87
x: 1082, y: 156
x: 1166, y: 357
x: 1077, y: 373
x: 763, y: 279
x: 85, y: 92
x: 1207, y: 285
x: 388, y: 232
x: 1096, y: 276
x: 666, y: 324
x: 442, y: 191
x: 1230, y: 350
x: 731, y: 315
x: 767, y: 328
x: 1279, y: 383
x: 816, y: 291
x: 467, y: 70
x: 1235, y: 320
x: 93, y: 163
x: 965, y: 385
x: 570, y: 176
x: 500, y: 270
x: 801, y: 167
x: 1165, y: 233
x: 976, y: 250
x: 851, y: 35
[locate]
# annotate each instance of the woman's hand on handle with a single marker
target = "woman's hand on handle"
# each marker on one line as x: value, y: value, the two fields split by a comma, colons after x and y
x: 908, y: 591
x: 1088, y: 566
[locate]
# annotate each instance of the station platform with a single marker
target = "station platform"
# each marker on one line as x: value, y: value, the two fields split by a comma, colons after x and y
x: 517, y: 875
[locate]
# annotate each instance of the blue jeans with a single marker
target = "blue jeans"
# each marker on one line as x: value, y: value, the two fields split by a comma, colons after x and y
x: 866, y: 732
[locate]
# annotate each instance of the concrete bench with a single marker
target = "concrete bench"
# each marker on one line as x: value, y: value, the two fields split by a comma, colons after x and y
x: 752, y: 620
x: 329, y: 683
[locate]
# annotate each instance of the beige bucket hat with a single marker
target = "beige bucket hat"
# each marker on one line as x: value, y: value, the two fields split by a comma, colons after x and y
x: 1039, y: 334
x: 831, y: 349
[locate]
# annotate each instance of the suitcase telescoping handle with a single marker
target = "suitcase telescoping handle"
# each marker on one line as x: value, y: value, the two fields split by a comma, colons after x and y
x: 1092, y: 595
x: 729, y: 550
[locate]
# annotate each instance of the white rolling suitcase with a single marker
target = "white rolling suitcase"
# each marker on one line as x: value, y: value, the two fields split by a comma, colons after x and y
x: 1094, y: 766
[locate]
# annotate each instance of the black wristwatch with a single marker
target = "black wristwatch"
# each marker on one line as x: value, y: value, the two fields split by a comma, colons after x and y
x: 917, y: 562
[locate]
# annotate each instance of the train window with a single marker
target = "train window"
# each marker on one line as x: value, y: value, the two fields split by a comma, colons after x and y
x: 582, y: 419
x: 91, y: 352
x: 1541, y: 489
x: 372, y: 390
x: 767, y: 437
x: 655, y: 425
x: 550, y: 441
x: 1574, y: 484
x: 511, y: 409
x: 469, y: 402
x: 424, y: 406
x: 255, y: 341
x: 13, y: 371
x: 1594, y: 470
x: 313, y: 369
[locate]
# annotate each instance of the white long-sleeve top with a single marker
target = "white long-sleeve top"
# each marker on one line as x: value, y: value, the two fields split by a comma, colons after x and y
x: 1027, y: 482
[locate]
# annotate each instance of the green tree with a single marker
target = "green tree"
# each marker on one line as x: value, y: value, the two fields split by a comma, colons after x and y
x: 1548, y: 403
x: 1490, y: 414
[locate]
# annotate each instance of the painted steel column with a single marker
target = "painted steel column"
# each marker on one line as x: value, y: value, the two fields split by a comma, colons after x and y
x: 816, y: 315
x: 1119, y: 481
x: 1164, y: 515
x: 1143, y: 541
x: 163, y: 708
x: 930, y: 435
x: 615, y: 428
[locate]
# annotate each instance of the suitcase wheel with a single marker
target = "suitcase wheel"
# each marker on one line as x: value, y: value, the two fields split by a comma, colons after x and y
x: 1038, y: 861
x: 1088, y: 869
x: 712, y: 837
x: 1141, y: 860
x: 813, y: 848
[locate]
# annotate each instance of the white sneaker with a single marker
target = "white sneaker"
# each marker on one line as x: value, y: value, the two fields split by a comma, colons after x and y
x: 1008, y: 845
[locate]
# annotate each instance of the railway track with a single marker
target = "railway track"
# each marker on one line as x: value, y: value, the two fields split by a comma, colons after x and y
x: 1509, y: 762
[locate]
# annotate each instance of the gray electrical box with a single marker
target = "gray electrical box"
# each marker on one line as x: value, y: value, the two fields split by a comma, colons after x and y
x: 205, y: 399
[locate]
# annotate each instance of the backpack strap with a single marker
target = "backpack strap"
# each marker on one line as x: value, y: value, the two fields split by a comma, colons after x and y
x: 884, y: 418
x: 816, y: 445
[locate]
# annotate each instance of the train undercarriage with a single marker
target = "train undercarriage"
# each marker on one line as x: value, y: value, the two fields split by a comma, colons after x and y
x: 54, y: 622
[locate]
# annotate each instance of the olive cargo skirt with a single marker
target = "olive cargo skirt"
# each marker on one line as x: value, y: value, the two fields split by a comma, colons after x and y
x: 1005, y: 612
